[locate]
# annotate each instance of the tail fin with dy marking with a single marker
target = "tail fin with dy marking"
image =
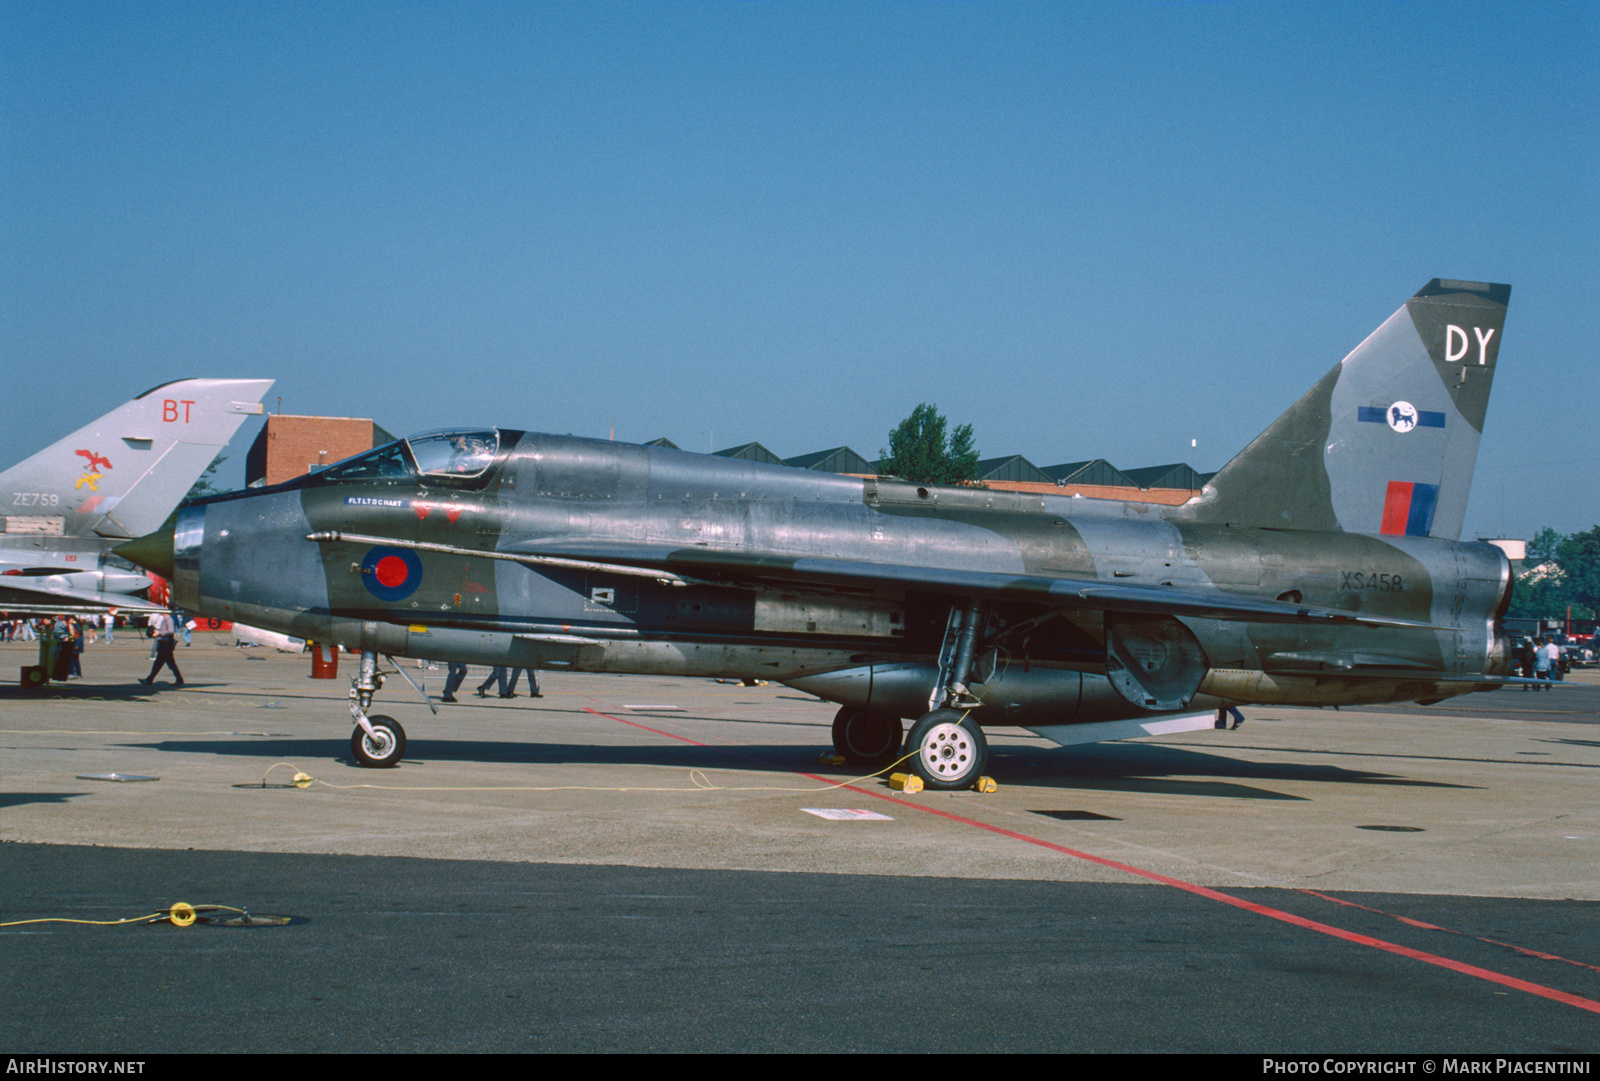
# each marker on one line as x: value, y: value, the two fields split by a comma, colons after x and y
x: 1386, y: 442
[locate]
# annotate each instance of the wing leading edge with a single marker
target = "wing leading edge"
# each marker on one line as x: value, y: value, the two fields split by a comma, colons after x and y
x: 752, y: 569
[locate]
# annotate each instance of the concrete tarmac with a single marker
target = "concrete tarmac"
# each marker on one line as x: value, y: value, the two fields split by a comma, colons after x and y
x: 635, y: 863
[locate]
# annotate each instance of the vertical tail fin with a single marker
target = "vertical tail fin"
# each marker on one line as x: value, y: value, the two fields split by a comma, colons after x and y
x: 121, y: 475
x: 1387, y: 441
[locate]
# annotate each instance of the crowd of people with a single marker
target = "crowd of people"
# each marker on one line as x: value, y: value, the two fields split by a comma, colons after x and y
x: 31, y: 628
x: 1542, y: 658
x: 497, y: 677
x: 71, y: 634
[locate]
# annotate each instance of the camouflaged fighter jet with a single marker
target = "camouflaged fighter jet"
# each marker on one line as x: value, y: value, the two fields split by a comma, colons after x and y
x: 62, y: 509
x: 1320, y: 567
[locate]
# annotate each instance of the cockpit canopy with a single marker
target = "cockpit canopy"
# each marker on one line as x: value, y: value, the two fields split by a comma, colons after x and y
x: 444, y: 453
x: 454, y: 452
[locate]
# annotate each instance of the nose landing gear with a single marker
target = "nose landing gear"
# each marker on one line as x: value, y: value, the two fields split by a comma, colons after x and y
x: 378, y: 742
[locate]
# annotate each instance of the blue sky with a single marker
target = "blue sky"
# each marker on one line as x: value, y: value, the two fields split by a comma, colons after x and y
x: 1089, y: 230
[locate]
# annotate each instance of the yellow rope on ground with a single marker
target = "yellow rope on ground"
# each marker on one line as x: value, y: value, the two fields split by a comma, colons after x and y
x: 180, y: 914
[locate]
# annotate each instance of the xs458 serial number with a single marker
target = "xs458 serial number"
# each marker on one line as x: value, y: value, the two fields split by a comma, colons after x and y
x: 1372, y: 580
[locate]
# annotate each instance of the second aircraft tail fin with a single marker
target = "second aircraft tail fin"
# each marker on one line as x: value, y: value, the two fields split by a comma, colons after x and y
x: 121, y: 475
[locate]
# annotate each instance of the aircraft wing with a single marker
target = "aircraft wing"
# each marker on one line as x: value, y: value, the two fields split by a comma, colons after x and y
x: 829, y: 575
x: 744, y: 567
x: 23, y: 596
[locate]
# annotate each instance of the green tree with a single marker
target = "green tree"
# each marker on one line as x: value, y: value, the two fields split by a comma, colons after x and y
x: 1542, y: 548
x: 1538, y: 594
x: 920, y: 451
x: 204, y: 486
x: 1561, y: 571
x: 1578, y: 556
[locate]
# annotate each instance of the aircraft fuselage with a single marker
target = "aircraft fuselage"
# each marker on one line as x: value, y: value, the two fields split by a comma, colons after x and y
x: 426, y: 567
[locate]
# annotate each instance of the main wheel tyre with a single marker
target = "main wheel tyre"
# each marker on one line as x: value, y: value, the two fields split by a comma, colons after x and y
x: 950, y: 749
x: 384, y: 748
x: 867, y: 739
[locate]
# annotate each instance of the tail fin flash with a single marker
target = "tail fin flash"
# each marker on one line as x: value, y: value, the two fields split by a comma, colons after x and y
x: 1387, y: 441
x: 121, y: 475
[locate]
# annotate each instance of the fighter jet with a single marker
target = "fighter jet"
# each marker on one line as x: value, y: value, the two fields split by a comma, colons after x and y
x: 66, y: 507
x: 1321, y: 566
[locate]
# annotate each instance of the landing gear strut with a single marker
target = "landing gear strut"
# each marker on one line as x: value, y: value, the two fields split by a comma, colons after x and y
x: 947, y: 744
x: 378, y: 742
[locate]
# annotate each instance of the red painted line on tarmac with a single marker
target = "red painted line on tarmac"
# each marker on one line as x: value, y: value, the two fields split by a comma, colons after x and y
x: 1199, y: 891
x: 647, y: 728
x: 1526, y: 951
x: 1376, y: 911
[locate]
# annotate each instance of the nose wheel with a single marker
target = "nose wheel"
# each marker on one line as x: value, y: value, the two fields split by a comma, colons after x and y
x: 383, y: 747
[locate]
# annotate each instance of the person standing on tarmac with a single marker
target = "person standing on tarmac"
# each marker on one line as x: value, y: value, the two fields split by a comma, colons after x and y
x: 457, y: 676
x: 533, y: 683
x: 165, y: 629
x: 75, y: 645
x: 497, y: 677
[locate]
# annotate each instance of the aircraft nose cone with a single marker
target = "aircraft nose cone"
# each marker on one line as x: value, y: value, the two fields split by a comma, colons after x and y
x: 153, y: 551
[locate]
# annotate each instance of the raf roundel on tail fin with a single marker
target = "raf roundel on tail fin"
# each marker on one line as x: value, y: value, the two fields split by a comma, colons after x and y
x: 1386, y: 442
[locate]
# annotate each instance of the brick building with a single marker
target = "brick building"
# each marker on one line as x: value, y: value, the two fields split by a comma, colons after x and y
x: 291, y: 446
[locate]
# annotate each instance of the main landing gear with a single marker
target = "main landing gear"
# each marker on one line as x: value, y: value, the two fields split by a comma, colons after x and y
x: 867, y: 739
x: 946, y: 746
x: 947, y: 743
